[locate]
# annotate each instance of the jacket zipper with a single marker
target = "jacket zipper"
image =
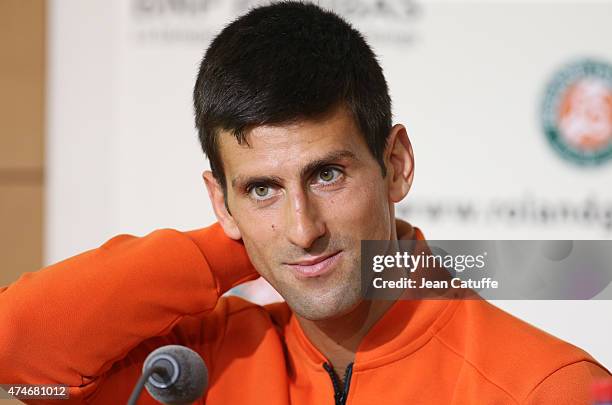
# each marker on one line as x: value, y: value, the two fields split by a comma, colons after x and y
x: 340, y: 395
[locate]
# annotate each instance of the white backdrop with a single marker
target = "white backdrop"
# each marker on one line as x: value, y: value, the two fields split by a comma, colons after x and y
x: 467, y: 79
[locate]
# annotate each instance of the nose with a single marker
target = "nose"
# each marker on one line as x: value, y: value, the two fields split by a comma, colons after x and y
x: 304, y: 224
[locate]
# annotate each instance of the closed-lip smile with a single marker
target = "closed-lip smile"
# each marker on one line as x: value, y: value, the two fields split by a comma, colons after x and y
x: 315, y: 266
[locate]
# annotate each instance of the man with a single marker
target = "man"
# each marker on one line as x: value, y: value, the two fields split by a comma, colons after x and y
x: 294, y: 114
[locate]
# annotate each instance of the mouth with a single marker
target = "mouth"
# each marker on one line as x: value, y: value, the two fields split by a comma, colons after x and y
x: 315, y: 266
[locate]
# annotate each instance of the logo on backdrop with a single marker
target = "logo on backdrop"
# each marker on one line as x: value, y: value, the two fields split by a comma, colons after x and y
x: 198, y: 21
x: 577, y: 112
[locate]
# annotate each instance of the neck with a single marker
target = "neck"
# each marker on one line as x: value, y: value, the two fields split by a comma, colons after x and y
x: 338, y: 339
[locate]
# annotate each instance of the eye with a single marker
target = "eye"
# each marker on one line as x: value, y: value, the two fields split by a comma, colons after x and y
x: 260, y: 191
x: 329, y: 175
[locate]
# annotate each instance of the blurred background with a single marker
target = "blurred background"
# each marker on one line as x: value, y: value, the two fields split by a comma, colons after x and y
x: 508, y: 106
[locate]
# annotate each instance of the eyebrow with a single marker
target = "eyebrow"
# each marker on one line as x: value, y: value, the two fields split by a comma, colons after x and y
x: 309, y: 168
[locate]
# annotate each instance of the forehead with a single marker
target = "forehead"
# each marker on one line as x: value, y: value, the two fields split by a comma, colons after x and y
x: 285, y: 147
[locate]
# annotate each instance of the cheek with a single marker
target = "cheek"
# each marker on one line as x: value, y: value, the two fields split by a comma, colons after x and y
x: 260, y: 237
x: 257, y: 226
x: 365, y: 201
x: 258, y: 254
x: 364, y: 211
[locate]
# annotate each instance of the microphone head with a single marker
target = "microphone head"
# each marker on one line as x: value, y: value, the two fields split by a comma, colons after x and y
x: 184, y: 375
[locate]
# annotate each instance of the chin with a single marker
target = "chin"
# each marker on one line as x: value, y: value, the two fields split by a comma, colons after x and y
x: 325, y: 309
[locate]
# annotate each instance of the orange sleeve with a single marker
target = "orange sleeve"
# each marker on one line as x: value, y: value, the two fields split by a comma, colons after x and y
x: 70, y: 322
x: 569, y: 385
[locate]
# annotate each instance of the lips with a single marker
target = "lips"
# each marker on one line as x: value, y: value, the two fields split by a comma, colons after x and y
x: 315, y: 266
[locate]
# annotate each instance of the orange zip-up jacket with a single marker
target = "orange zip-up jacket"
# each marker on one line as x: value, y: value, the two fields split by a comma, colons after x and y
x: 90, y: 321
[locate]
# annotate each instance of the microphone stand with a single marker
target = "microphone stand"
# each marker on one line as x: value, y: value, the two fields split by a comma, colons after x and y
x: 142, y: 381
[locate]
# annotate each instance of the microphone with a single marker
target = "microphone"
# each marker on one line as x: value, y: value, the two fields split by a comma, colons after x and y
x: 173, y: 375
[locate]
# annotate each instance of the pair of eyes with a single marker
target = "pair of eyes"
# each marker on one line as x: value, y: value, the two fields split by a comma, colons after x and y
x: 325, y: 176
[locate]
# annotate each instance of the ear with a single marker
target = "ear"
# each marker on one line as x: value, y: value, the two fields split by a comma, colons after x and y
x: 399, y: 160
x: 217, y: 198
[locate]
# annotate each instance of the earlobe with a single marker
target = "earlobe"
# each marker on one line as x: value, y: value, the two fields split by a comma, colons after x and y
x: 217, y: 198
x: 400, y: 163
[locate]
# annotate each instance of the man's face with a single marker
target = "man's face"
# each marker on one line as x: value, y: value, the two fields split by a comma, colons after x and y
x: 301, y: 193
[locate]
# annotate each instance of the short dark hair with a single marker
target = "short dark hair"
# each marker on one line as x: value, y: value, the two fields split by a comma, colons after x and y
x: 284, y: 62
